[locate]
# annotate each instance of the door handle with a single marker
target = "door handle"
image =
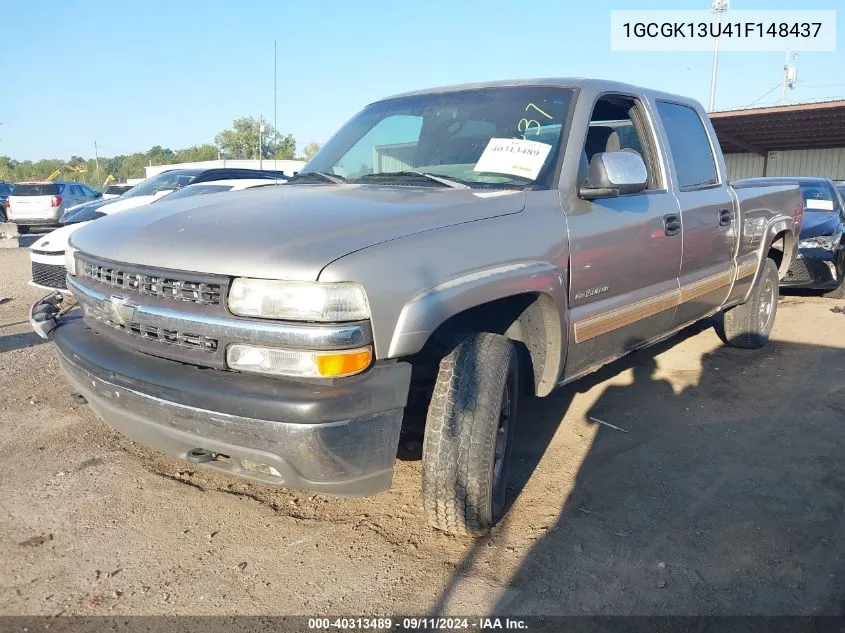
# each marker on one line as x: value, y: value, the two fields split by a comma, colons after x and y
x: 672, y: 224
x: 725, y: 217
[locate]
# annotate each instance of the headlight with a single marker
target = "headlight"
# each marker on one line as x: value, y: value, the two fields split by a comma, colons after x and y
x: 301, y: 364
x: 297, y: 300
x: 70, y: 259
x: 827, y: 242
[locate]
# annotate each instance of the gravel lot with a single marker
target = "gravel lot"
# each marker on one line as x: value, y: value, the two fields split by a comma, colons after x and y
x: 723, y: 495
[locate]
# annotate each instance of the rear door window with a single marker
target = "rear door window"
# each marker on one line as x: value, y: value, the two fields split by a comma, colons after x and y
x: 76, y: 190
x: 36, y: 189
x: 692, y: 154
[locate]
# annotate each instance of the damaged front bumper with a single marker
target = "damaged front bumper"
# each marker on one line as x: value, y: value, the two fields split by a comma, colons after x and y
x: 338, y: 438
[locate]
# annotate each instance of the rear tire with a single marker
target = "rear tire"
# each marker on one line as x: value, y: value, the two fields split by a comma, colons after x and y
x: 22, y: 230
x: 468, y: 435
x: 749, y: 325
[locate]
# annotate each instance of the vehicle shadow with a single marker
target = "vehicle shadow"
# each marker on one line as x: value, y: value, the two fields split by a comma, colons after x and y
x: 723, y: 499
x: 11, y: 342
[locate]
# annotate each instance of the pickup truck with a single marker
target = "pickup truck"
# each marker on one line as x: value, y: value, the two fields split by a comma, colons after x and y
x: 454, y: 248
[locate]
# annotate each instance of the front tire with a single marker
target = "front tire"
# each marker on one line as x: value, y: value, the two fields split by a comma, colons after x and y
x: 468, y: 435
x: 749, y: 325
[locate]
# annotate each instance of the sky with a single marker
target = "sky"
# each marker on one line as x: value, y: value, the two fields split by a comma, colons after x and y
x: 131, y: 75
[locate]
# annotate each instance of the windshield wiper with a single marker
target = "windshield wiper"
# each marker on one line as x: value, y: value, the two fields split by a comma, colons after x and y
x: 332, y: 178
x: 415, y: 175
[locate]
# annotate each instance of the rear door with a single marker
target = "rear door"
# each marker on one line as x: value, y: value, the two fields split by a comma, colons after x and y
x: 707, y: 213
x: 625, y: 251
x: 32, y: 201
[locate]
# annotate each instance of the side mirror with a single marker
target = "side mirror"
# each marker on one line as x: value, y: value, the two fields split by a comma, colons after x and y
x: 613, y: 174
x: 98, y: 194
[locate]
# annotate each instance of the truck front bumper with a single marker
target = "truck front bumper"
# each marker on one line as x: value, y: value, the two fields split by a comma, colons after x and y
x: 339, y: 439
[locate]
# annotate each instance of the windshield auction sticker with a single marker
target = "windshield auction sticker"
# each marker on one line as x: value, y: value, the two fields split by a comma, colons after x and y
x: 513, y: 156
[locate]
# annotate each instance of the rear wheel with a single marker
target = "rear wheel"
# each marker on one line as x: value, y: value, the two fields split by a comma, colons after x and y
x: 749, y: 325
x: 468, y: 435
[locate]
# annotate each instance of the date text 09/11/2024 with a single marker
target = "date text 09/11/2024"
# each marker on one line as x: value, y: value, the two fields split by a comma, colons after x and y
x: 416, y: 624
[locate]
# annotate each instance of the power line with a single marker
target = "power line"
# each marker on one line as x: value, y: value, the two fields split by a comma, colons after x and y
x: 768, y: 92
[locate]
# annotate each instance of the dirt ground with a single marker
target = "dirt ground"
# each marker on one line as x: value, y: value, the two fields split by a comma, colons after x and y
x: 722, y: 494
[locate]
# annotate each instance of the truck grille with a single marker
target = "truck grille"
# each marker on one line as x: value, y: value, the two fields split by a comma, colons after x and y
x: 164, y: 285
x: 153, y: 333
x: 50, y: 275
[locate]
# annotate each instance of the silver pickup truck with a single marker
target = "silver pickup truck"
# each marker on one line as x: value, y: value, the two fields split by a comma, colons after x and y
x: 455, y: 247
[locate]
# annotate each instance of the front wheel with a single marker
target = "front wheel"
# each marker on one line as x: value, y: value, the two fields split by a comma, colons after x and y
x: 468, y: 435
x: 749, y: 325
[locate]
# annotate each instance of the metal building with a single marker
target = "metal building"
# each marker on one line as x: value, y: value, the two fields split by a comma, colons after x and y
x: 801, y: 139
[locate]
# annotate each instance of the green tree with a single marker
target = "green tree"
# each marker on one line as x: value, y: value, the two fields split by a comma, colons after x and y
x: 196, y: 153
x: 310, y: 150
x: 242, y: 140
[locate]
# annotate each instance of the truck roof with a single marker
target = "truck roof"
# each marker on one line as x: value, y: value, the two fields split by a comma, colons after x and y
x: 594, y: 85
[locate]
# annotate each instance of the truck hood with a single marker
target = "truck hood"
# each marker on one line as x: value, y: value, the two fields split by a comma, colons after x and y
x: 819, y: 223
x: 290, y: 232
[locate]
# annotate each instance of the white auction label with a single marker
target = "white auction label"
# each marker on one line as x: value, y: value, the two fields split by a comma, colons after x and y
x: 821, y: 205
x: 514, y: 156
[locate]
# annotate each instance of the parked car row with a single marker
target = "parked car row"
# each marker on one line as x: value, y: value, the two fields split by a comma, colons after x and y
x: 47, y: 254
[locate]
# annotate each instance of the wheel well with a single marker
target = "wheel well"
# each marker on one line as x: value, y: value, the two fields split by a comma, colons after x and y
x: 530, y: 320
x: 777, y: 252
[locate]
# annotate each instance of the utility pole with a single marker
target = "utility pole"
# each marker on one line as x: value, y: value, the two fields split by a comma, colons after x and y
x: 790, y: 76
x: 97, y: 162
x: 719, y: 7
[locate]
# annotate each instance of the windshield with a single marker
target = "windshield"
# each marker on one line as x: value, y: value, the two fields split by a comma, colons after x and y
x: 506, y: 136
x: 195, y: 190
x: 817, y: 197
x: 166, y: 181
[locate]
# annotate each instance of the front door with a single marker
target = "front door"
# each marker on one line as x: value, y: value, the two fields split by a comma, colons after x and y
x: 625, y: 252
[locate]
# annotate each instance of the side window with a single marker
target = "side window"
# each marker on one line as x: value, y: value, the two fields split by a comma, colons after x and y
x: 689, y: 144
x: 76, y: 190
x: 617, y: 124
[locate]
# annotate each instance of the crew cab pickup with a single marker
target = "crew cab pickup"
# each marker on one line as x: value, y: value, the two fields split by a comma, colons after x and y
x: 451, y: 247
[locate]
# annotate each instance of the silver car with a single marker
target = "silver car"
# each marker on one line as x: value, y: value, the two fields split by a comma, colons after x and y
x: 43, y: 203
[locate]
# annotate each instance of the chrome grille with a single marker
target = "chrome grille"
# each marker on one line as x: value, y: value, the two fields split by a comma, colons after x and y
x: 164, y: 286
x: 158, y: 334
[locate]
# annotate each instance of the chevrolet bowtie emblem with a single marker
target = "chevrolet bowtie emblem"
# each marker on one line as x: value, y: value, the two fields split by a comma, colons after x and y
x: 122, y: 310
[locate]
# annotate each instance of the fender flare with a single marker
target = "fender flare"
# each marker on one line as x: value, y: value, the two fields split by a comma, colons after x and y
x: 776, y: 225
x: 429, y: 309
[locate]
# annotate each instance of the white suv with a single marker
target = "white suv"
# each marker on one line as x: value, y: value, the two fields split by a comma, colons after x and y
x: 42, y: 203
